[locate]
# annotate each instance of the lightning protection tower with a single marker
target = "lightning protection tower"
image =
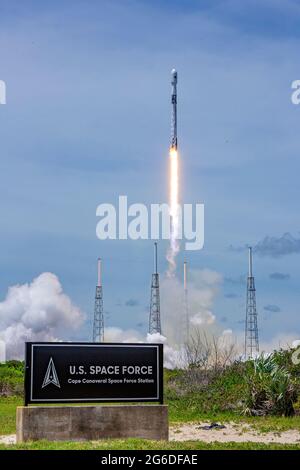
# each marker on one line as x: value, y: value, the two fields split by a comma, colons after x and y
x: 251, y: 328
x: 185, y: 304
x: 154, y: 317
x: 98, y: 326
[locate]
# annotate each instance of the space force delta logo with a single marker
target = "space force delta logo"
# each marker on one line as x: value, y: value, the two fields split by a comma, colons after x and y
x: 51, y: 375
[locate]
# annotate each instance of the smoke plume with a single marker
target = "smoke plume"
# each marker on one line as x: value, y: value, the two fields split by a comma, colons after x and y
x: 38, y: 311
x: 203, y: 289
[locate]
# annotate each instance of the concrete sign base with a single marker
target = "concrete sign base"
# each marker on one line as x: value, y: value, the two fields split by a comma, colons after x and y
x: 82, y: 423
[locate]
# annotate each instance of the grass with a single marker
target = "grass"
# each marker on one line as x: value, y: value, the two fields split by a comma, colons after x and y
x: 142, y: 444
x: 8, y: 407
x: 190, y: 409
x: 265, y: 424
x: 212, y: 402
x: 179, y: 412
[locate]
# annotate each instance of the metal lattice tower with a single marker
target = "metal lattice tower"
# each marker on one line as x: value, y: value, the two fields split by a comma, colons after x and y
x: 154, y: 317
x: 185, y: 304
x: 251, y: 328
x: 98, y: 326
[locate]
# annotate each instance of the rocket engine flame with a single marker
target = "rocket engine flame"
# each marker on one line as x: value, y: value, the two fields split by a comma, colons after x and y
x: 174, y: 211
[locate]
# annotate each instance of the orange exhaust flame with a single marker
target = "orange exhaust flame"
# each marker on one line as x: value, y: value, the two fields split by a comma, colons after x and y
x: 174, y: 211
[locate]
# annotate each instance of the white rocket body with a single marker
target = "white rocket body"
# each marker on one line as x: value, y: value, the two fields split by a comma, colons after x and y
x: 174, y: 110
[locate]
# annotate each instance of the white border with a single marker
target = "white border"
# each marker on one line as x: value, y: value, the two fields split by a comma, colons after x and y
x: 95, y: 346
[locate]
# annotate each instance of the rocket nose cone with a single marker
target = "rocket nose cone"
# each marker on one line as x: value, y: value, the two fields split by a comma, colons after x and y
x: 174, y: 77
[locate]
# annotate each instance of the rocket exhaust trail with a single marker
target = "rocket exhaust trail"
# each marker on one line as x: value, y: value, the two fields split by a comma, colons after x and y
x: 173, y: 183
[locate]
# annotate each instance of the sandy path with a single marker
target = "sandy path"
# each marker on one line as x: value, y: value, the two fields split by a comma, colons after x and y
x: 234, y: 432
x: 8, y: 439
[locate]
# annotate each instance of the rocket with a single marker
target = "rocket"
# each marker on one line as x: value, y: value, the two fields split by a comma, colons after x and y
x: 174, y: 110
x: 174, y: 181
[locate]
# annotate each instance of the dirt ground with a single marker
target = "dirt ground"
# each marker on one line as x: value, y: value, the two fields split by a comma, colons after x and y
x: 233, y: 432
x: 8, y: 439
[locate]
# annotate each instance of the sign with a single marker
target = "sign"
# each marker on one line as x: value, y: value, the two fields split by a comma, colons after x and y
x: 93, y: 372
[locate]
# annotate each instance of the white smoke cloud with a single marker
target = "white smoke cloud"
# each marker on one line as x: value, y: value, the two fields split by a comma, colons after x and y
x: 37, y: 311
x: 117, y: 335
x: 280, y: 341
x: 203, y: 287
x: 41, y: 311
x: 172, y: 357
x: 202, y: 290
x: 203, y: 318
x: 227, y: 332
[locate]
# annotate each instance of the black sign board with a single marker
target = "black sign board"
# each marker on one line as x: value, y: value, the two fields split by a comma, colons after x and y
x: 93, y: 372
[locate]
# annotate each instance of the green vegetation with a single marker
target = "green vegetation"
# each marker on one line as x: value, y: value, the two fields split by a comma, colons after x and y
x: 262, y: 393
x: 177, y: 415
x: 11, y: 378
x: 142, y: 444
x: 8, y: 407
x: 271, y: 388
x: 11, y: 394
x: 193, y: 394
x: 268, y: 386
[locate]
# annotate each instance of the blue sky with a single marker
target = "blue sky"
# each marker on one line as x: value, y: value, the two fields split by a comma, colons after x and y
x: 88, y: 118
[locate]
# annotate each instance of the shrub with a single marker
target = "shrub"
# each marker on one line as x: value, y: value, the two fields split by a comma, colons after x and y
x: 11, y: 378
x: 270, y: 388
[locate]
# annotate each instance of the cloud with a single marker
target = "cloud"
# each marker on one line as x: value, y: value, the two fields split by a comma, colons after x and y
x: 279, y: 276
x: 132, y: 302
x: 173, y: 357
x: 37, y: 311
x: 283, y: 340
x: 203, y: 318
x: 276, y: 247
x: 272, y: 308
x: 203, y: 288
x: 41, y: 311
x: 117, y: 335
x: 227, y: 332
x: 273, y: 247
